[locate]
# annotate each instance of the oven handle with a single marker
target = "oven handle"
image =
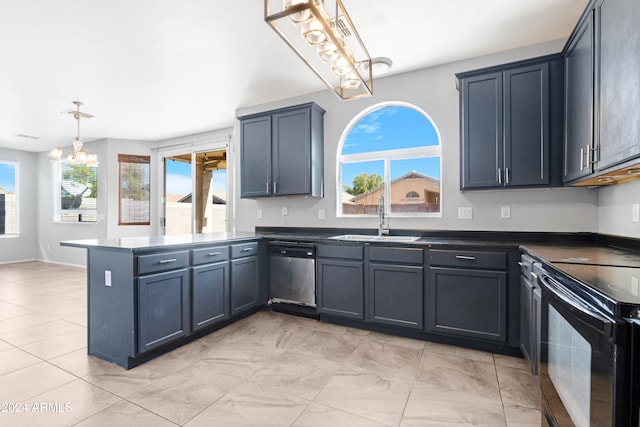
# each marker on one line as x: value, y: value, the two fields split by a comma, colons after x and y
x: 594, y: 318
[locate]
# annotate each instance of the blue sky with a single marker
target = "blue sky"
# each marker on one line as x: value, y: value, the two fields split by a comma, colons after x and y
x: 179, y: 178
x: 391, y: 128
x: 8, y: 177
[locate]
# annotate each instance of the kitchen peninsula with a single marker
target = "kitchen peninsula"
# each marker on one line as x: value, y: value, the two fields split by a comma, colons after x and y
x: 150, y: 294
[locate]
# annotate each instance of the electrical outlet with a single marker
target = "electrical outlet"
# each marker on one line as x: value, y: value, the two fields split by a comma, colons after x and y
x: 465, y: 213
x: 505, y: 212
x: 635, y: 212
x: 107, y: 277
x: 285, y: 211
x: 259, y: 214
x: 320, y: 213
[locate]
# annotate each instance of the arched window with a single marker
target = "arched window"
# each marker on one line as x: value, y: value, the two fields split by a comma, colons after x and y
x: 390, y: 151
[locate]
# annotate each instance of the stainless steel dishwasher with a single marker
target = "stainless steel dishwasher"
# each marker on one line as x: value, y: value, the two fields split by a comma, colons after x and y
x: 292, y: 274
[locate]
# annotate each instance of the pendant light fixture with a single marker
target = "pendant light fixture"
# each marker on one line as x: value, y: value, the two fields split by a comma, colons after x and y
x: 78, y: 155
x: 323, y: 35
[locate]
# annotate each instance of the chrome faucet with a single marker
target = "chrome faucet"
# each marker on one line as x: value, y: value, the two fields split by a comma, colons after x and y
x: 383, y: 228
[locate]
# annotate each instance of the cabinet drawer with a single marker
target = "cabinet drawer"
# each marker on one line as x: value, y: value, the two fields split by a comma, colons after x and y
x: 209, y: 255
x: 162, y: 261
x: 341, y: 251
x: 244, y: 250
x: 471, y: 259
x: 396, y: 255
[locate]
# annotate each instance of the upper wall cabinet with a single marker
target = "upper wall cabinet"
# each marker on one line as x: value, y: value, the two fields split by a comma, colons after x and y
x: 602, y: 58
x: 281, y: 152
x: 511, y: 120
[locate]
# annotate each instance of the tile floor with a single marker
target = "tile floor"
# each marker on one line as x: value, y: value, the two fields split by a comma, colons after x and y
x: 269, y: 369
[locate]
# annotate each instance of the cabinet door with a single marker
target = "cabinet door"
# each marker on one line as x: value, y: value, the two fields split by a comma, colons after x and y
x: 578, y: 113
x: 618, y: 51
x: 482, y: 154
x: 526, y: 126
x: 292, y: 152
x: 255, y: 157
x: 395, y: 295
x: 244, y: 284
x: 163, y: 308
x: 468, y: 303
x: 526, y: 319
x: 210, y: 294
x: 341, y: 288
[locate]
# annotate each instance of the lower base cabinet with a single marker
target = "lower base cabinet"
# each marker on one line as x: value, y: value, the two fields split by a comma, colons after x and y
x: 210, y: 295
x: 244, y: 284
x: 395, y: 295
x: 340, y: 288
x: 468, y: 303
x: 163, y: 308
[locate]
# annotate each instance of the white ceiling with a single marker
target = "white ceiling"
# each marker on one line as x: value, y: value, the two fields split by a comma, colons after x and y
x: 156, y: 69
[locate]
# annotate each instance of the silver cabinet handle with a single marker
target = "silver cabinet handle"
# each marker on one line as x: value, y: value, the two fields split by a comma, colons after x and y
x: 267, y: 187
x: 167, y: 261
x: 520, y: 263
x: 246, y: 250
x: 581, y: 158
x: 506, y: 175
x: 534, y: 275
x: 213, y: 253
x: 588, y: 156
x: 499, y: 176
x: 275, y: 187
x: 465, y: 257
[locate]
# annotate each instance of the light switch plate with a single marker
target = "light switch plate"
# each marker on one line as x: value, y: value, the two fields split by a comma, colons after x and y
x: 635, y: 212
x: 259, y: 214
x: 505, y: 212
x: 285, y: 211
x: 465, y: 212
x: 320, y: 213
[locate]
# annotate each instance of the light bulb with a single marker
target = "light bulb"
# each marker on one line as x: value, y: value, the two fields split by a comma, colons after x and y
x: 313, y: 32
x: 56, y: 153
x: 351, y: 82
x: 300, y: 17
x: 340, y: 67
x: 328, y: 52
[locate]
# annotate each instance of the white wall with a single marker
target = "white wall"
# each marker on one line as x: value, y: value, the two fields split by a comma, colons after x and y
x: 23, y: 246
x: 615, y: 209
x: 434, y: 91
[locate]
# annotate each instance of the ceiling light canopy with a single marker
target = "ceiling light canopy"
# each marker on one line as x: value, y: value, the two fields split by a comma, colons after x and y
x: 78, y: 155
x: 323, y: 35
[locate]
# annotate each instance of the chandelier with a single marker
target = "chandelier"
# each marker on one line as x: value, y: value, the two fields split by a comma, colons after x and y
x: 78, y: 156
x: 323, y: 35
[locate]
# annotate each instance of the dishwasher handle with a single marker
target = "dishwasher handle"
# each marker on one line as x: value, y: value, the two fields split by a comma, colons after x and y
x: 292, y: 252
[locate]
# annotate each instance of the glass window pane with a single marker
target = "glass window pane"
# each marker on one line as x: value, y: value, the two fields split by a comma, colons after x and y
x: 362, y: 186
x: 78, y: 192
x: 415, y: 185
x: 8, y: 198
x: 134, y: 199
x: 390, y: 128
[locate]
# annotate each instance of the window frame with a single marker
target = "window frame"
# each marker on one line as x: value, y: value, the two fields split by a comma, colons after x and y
x: 16, y: 201
x: 133, y: 159
x: 386, y: 156
x: 57, y: 173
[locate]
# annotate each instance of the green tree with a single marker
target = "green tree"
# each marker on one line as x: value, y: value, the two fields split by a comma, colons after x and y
x: 133, y: 181
x: 362, y: 183
x: 82, y: 174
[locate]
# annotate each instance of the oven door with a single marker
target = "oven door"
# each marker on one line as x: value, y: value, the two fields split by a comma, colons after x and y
x: 578, y: 366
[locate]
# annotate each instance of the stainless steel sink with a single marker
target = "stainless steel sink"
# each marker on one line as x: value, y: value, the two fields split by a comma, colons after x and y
x: 374, y: 238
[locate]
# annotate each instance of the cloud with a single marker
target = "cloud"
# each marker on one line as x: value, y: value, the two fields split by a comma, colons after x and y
x: 367, y: 128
